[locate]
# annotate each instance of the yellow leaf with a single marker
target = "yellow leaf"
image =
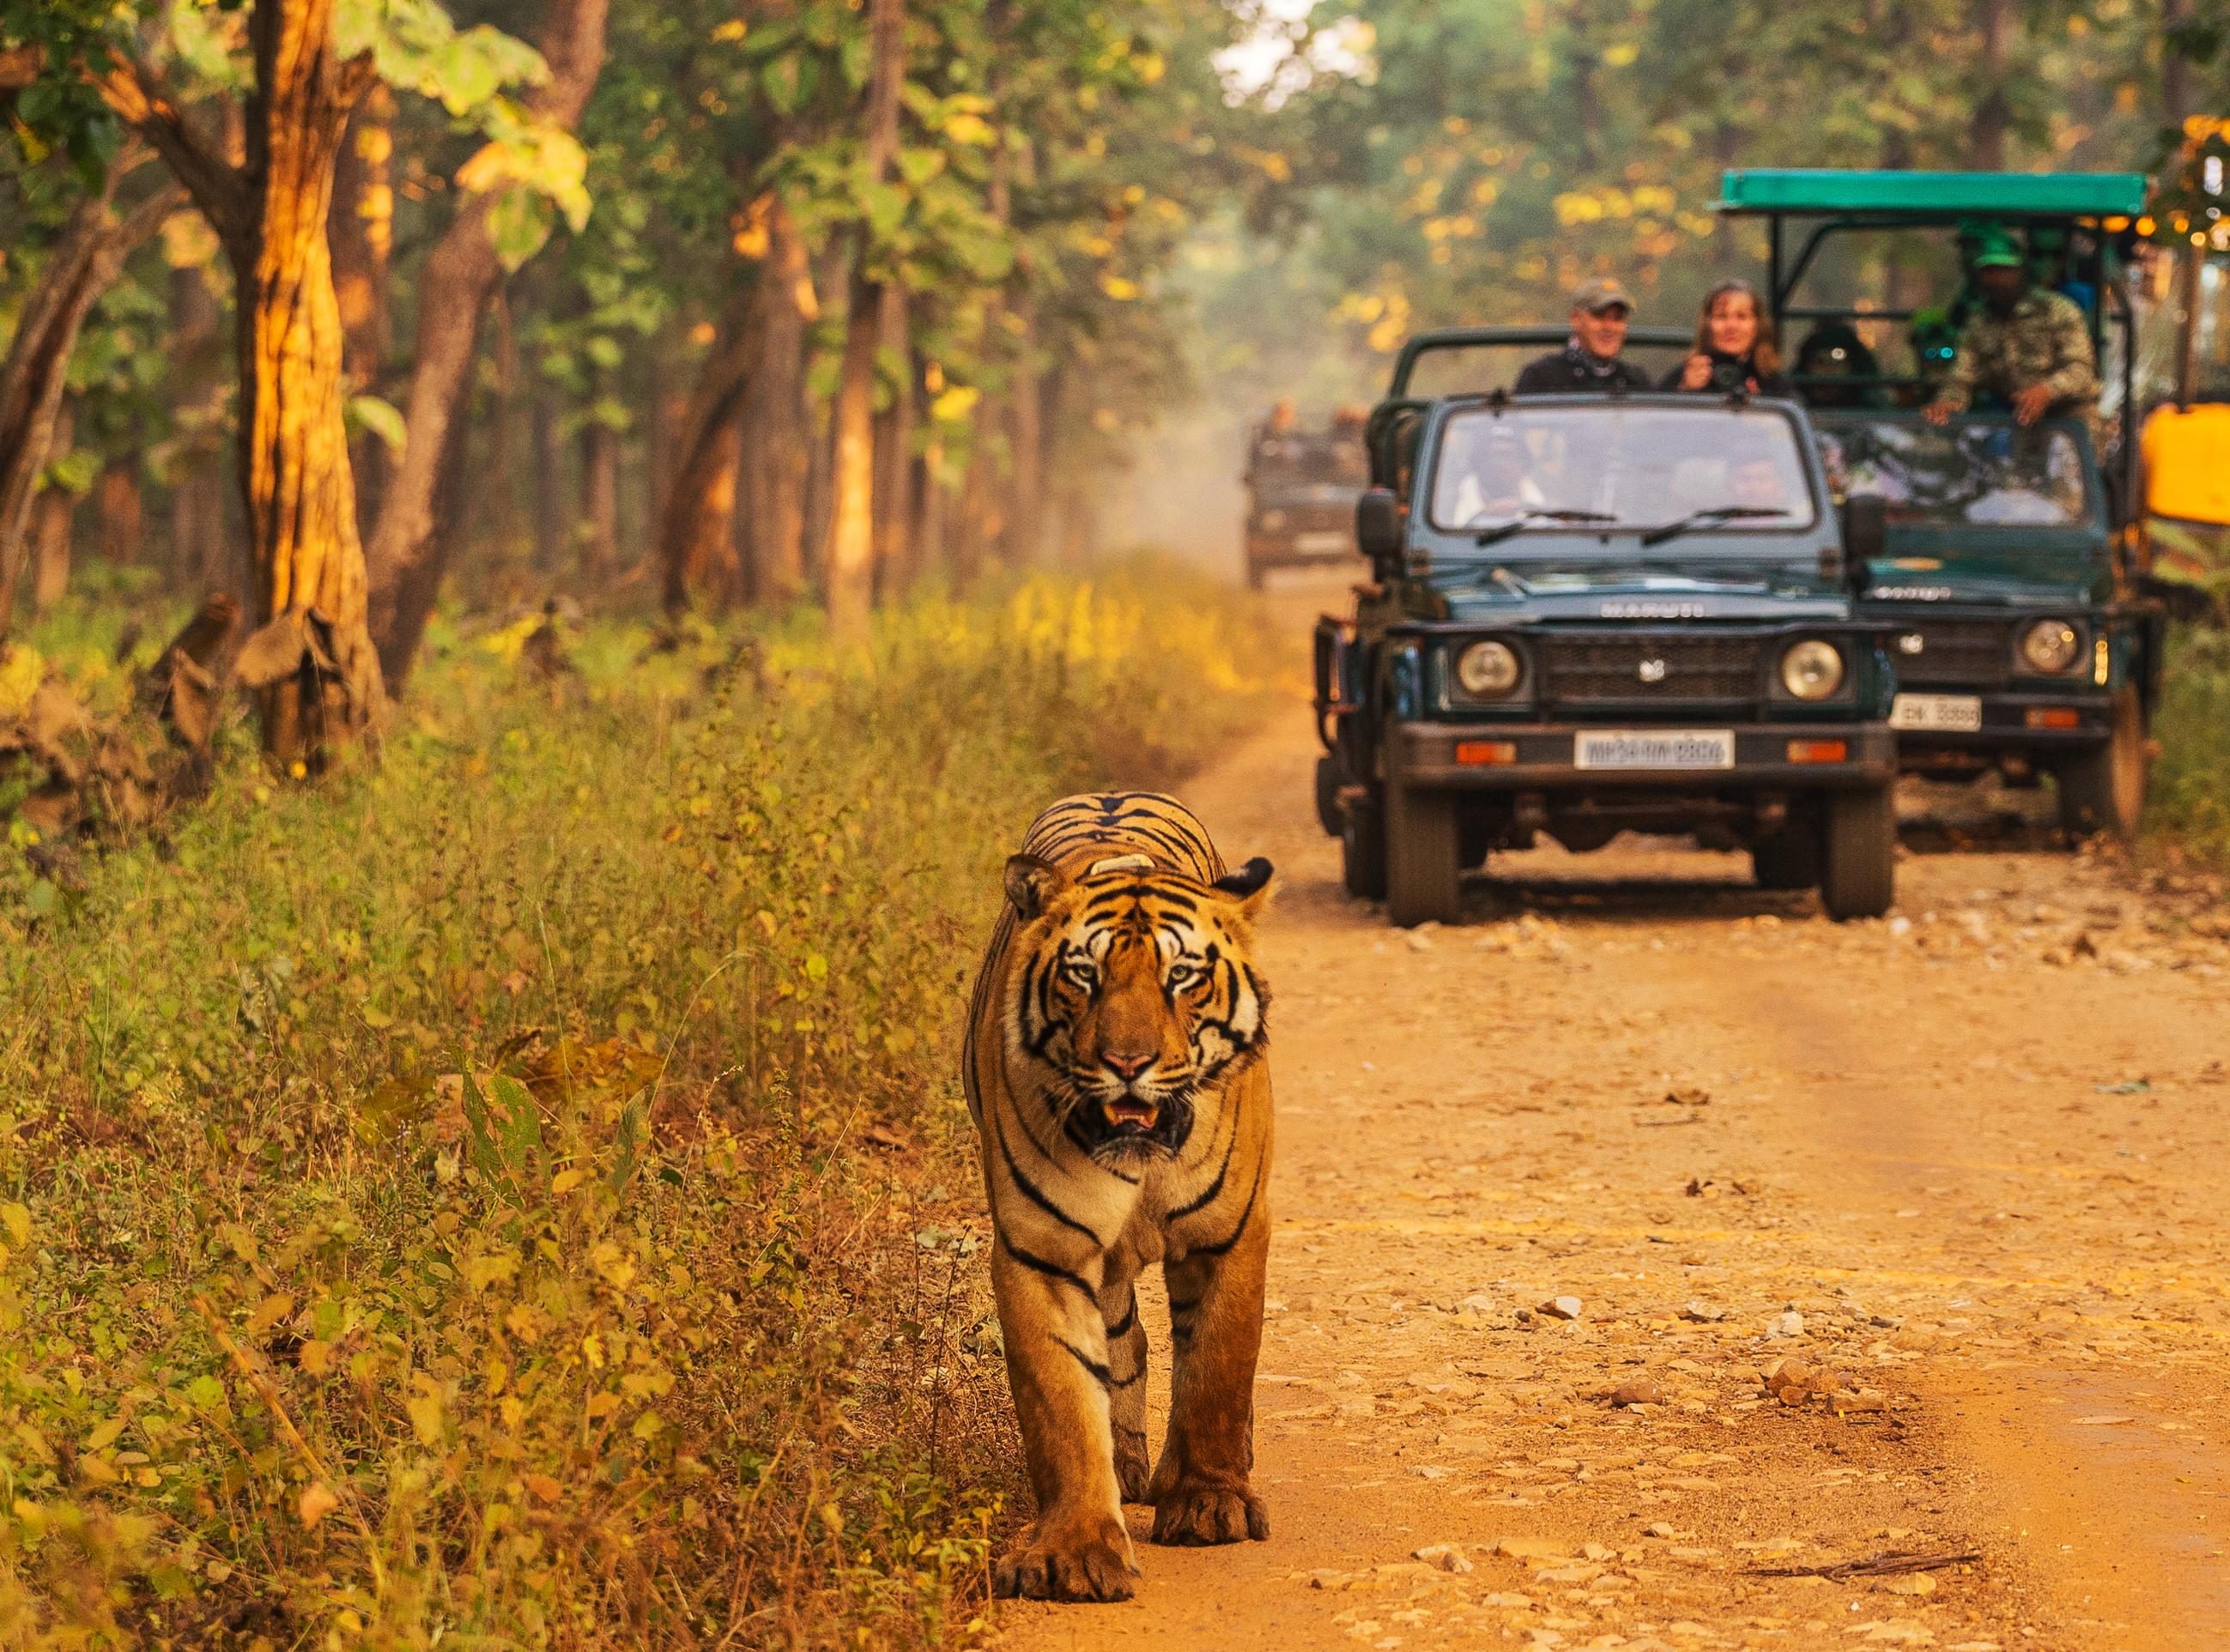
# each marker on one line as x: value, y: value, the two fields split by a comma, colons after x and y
x: 954, y: 403
x: 601, y: 1404
x: 315, y: 1358
x: 565, y: 1181
x: 971, y: 129
x: 734, y: 29
x: 17, y: 1217
x: 592, y: 1350
x: 1119, y: 288
x: 1620, y: 55
x: 543, y: 1486
x: 425, y: 1411
x: 316, y: 1502
x: 480, y: 1272
x: 98, y: 1469
x: 104, y: 1437
x: 269, y: 1312
x: 647, y: 1426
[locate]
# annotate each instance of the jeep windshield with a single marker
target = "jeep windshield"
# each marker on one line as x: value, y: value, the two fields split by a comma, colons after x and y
x: 1606, y: 467
x: 1992, y: 473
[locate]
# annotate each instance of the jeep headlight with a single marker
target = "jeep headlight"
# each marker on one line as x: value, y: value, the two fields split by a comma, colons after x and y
x: 2050, y: 647
x: 1812, y: 670
x: 1488, y: 670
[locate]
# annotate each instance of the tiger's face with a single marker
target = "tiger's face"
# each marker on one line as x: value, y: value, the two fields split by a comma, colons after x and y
x: 1136, y: 987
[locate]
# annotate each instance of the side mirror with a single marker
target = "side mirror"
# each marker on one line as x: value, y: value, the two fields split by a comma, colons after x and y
x: 1378, y: 529
x: 1865, y: 538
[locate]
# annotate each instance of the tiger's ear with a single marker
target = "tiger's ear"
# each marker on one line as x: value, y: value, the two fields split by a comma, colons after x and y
x: 1032, y: 883
x: 1249, y: 888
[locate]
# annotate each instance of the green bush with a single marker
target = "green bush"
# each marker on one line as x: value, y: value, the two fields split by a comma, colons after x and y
x: 519, y: 1191
x: 2190, y: 797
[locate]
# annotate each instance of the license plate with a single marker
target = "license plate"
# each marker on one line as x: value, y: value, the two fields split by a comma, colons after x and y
x: 1654, y: 748
x: 1937, y: 713
x: 1319, y: 544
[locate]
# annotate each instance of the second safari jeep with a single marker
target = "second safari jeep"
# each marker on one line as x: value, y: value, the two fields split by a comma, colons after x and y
x: 1595, y: 614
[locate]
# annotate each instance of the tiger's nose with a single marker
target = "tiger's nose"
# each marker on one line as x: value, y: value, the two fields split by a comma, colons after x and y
x: 1126, y: 1066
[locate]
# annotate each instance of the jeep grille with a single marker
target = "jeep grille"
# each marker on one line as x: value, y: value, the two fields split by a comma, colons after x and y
x: 1607, y: 668
x: 1962, y: 653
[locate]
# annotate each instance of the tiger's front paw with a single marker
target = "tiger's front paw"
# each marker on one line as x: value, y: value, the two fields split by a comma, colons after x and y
x: 1080, y: 1560
x: 1203, y: 1512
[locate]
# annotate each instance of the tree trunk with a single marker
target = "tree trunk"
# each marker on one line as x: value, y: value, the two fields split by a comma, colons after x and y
x: 933, y: 503
x: 1024, y: 541
x: 776, y: 421
x: 495, y: 493
x: 85, y: 260
x: 600, y: 501
x: 363, y: 231
x: 2176, y: 101
x: 54, y: 514
x: 1992, y: 116
x: 894, y: 453
x: 852, y: 459
x: 201, y: 555
x: 553, y: 512
x: 695, y: 519
x: 459, y: 275
x: 311, y: 662
x: 122, y: 512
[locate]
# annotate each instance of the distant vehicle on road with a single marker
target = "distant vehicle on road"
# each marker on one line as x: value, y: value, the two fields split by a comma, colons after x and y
x: 1301, y: 489
x: 1593, y: 613
x: 2014, y: 569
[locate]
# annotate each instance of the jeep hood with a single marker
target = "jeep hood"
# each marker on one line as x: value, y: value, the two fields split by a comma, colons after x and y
x: 1778, y: 592
x: 2014, y: 570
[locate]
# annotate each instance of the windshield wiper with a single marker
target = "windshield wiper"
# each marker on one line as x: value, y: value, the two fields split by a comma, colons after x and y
x: 1704, y: 519
x: 1525, y: 519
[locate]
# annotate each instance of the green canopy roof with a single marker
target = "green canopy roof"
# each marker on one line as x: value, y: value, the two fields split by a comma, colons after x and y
x: 1934, y: 195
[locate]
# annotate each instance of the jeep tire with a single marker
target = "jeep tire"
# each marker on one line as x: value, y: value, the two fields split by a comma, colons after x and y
x: 1424, y: 856
x: 1858, y: 853
x: 1791, y: 860
x: 2104, y: 789
x: 1363, y: 850
x: 1328, y: 810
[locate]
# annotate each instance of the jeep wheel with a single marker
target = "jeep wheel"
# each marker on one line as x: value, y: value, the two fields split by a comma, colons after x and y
x: 2104, y: 790
x: 1858, y: 853
x: 1328, y: 810
x: 1789, y: 861
x: 1363, y: 850
x: 1424, y: 857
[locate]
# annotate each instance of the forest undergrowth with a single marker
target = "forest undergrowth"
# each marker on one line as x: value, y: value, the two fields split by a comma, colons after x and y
x: 514, y: 1193
x: 2190, y: 799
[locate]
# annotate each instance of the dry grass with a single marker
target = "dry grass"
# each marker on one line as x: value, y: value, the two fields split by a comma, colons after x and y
x: 514, y: 1195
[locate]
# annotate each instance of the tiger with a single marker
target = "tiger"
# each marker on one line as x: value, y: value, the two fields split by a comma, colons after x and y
x: 1113, y: 1064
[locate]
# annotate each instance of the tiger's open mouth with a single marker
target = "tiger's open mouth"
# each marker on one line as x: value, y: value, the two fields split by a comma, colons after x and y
x: 1131, y: 1115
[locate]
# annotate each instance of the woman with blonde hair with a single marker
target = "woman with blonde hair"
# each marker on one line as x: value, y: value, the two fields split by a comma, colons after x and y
x: 1735, y: 348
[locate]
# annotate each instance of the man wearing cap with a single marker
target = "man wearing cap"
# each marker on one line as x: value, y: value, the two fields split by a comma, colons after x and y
x: 1590, y: 361
x: 2023, y: 345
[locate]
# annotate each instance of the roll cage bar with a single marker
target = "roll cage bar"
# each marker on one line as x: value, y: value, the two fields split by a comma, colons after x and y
x: 1832, y: 203
x: 1395, y: 419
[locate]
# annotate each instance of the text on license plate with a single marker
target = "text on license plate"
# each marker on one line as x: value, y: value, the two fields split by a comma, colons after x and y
x: 1654, y: 748
x: 1937, y: 713
x: 1333, y: 540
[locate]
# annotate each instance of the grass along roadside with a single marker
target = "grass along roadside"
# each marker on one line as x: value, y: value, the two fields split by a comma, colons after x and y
x: 493, y: 1195
x: 2190, y: 801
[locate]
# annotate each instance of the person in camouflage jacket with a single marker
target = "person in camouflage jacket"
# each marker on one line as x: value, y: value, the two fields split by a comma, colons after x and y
x: 2023, y: 346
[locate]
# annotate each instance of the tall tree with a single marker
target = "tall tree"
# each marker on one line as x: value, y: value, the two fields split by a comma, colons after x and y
x: 409, y: 552
x: 852, y: 524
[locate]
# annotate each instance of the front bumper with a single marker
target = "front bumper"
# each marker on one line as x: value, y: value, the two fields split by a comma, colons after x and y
x: 1425, y: 754
x: 2008, y: 740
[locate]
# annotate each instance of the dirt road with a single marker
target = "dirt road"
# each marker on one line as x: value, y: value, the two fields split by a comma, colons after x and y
x: 1974, y: 1159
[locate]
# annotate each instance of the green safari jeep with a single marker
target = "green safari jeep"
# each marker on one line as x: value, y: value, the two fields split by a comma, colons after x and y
x: 1594, y: 613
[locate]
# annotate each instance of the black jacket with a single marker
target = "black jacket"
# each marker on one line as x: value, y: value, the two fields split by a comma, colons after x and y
x: 1729, y: 373
x: 1571, y: 371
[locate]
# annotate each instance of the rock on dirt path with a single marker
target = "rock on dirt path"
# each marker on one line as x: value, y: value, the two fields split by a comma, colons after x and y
x: 1897, y: 1239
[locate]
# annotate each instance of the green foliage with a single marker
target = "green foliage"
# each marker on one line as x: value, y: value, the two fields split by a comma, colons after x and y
x: 2191, y: 783
x: 442, y: 1204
